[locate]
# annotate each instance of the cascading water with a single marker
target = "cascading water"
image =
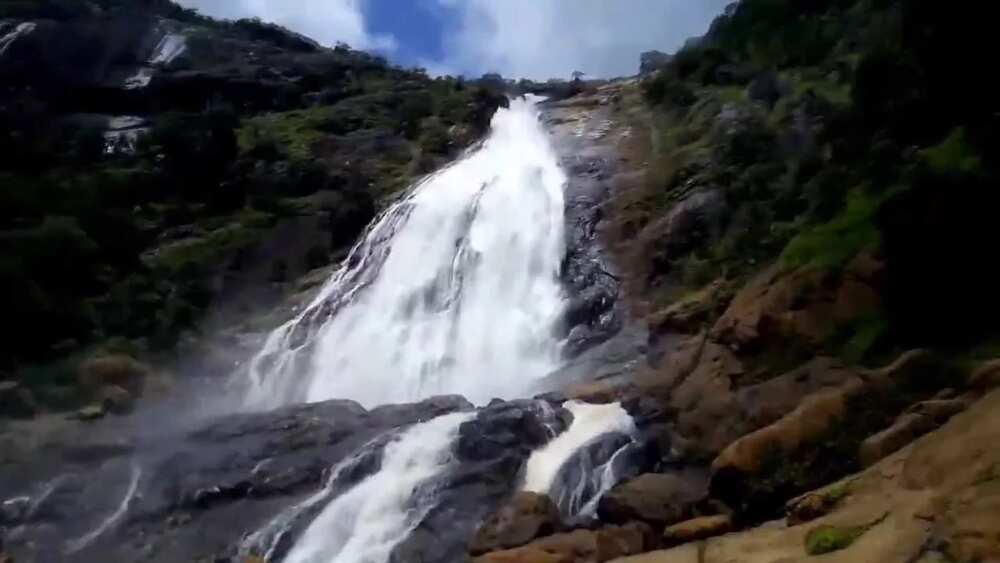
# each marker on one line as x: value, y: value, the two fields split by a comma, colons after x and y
x: 577, y: 493
x: 453, y: 290
x: 364, y: 524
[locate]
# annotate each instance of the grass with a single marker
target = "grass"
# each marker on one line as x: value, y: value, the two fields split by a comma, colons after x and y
x: 831, y: 245
x: 827, y: 539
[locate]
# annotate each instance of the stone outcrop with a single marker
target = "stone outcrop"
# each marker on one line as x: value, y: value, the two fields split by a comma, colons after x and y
x: 820, y: 439
x: 934, y: 500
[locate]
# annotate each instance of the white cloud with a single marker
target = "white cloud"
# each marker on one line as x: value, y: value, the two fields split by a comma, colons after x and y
x: 326, y: 21
x: 552, y: 38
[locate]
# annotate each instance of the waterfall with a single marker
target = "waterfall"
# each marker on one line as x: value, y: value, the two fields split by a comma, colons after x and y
x: 568, y: 471
x: 453, y: 290
x: 365, y: 523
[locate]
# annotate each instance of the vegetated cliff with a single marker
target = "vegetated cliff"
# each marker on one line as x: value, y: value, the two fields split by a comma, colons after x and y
x: 796, y: 205
x: 157, y: 165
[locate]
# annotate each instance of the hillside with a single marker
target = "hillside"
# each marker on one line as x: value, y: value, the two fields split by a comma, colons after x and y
x: 157, y: 165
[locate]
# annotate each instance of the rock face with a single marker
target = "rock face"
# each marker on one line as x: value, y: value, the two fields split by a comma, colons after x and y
x: 821, y: 438
x: 934, y: 500
x: 194, y: 493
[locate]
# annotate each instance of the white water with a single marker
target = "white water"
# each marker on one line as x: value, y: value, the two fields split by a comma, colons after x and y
x: 364, y: 524
x: 454, y: 290
x: 113, y: 518
x: 265, y: 542
x: 7, y: 40
x: 589, y: 423
x: 169, y: 48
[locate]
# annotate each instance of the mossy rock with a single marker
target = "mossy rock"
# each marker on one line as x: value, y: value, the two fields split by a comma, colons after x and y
x: 827, y: 539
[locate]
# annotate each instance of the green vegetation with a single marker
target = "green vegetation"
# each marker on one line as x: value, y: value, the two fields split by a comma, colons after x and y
x: 827, y: 539
x: 134, y: 242
x: 834, y: 128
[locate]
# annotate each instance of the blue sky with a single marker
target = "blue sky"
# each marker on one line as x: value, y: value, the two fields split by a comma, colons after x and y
x: 536, y: 39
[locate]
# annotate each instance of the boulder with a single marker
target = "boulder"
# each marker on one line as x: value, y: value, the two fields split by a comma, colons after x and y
x: 16, y: 400
x: 528, y: 516
x: 116, y: 369
x: 657, y: 498
x: 578, y: 546
x: 697, y: 529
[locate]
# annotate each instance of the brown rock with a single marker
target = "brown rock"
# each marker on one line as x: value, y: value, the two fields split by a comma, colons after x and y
x: 697, y: 529
x: 777, y: 307
x: 813, y: 417
x: 706, y: 406
x: 986, y: 376
x: 658, y: 498
x: 905, y: 430
x: 526, y: 517
x: 767, y: 402
x: 940, y: 409
x: 117, y: 369
x: 578, y: 546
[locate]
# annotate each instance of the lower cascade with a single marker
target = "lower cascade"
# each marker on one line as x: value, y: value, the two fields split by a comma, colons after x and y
x: 366, y: 522
x: 454, y: 290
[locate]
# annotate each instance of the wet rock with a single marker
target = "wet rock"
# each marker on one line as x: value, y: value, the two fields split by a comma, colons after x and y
x: 526, y: 517
x: 16, y: 401
x: 13, y: 511
x: 657, y: 498
x: 697, y: 529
